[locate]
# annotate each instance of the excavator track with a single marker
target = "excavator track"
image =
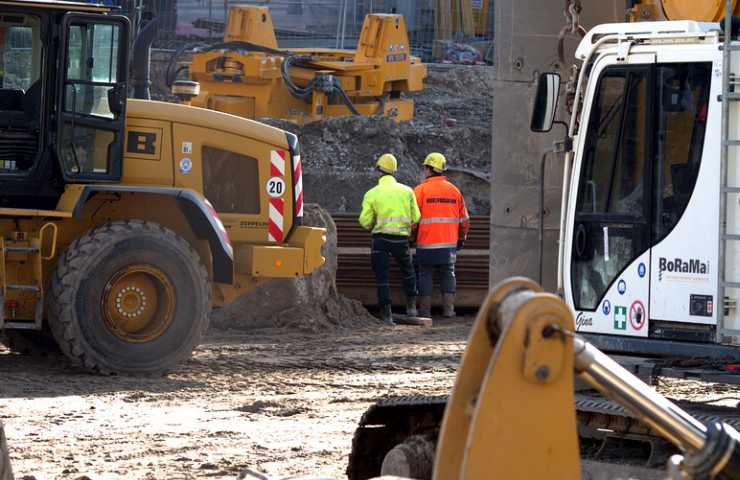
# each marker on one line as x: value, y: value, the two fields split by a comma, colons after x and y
x: 607, y: 432
x: 388, y: 423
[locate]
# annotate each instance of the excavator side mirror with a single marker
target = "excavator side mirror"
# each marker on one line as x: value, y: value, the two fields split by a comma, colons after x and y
x: 546, y: 102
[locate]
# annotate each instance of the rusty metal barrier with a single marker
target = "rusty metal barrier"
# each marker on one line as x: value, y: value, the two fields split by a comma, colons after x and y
x: 355, y: 277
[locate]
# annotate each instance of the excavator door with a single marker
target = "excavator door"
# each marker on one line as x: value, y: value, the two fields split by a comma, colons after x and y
x: 92, y: 97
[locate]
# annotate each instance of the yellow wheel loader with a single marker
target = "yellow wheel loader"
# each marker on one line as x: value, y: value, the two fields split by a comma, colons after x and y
x: 122, y: 222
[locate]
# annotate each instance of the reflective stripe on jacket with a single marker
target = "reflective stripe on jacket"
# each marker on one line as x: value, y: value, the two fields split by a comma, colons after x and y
x: 389, y: 208
x: 444, y: 217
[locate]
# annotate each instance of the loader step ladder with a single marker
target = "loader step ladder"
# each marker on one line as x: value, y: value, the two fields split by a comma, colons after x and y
x: 729, y: 80
x: 21, y: 274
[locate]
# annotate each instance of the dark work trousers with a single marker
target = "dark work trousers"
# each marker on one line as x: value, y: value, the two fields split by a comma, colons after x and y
x: 384, y: 247
x: 430, y: 260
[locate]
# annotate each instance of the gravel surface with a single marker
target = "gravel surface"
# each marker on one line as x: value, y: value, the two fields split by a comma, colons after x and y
x: 283, y: 403
x: 276, y: 402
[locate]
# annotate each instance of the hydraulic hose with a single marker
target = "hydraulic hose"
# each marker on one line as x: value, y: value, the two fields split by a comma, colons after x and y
x: 298, y: 92
x: 289, y: 59
x: 231, y: 46
x: 170, y: 77
x: 331, y: 88
x: 247, y: 47
x: 343, y: 95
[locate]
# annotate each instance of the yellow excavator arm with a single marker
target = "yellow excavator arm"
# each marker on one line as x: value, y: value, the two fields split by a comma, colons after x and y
x: 511, y: 413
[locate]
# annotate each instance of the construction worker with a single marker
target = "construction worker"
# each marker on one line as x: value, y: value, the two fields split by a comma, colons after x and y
x: 390, y: 212
x: 442, y: 231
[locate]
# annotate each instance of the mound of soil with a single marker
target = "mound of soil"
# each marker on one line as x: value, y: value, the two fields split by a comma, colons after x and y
x: 453, y: 116
x: 309, y: 303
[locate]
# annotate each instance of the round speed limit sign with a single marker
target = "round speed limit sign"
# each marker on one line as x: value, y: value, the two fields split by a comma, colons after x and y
x: 275, y: 187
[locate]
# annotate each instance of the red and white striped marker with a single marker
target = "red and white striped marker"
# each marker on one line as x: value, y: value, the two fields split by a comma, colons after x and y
x: 276, y: 223
x: 298, y: 185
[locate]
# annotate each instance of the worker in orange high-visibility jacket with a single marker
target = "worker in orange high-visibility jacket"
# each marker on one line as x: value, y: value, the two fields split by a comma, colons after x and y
x: 441, y: 232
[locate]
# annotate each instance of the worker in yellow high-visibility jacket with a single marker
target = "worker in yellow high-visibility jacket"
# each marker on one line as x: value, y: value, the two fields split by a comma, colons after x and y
x: 389, y: 211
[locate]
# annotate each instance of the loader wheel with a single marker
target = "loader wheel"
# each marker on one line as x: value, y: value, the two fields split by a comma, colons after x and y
x: 129, y: 297
x: 30, y: 342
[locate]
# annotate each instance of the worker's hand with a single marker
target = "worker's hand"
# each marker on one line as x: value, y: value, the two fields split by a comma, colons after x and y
x: 460, y: 244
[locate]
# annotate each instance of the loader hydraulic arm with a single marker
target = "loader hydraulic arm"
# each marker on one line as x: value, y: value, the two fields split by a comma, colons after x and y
x: 517, y: 377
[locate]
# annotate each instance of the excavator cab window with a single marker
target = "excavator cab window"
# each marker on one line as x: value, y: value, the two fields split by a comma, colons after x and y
x: 20, y: 92
x: 92, y: 97
x: 611, y: 206
x: 640, y: 163
x: 682, y: 97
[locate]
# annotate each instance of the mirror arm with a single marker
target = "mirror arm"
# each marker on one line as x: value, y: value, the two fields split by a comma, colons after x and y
x: 566, y: 144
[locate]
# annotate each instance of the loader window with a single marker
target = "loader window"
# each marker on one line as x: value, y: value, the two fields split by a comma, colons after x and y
x: 231, y: 181
x: 612, y: 226
x: 93, y: 100
x: 682, y: 99
x: 20, y: 54
x: 91, y: 69
x: 20, y: 92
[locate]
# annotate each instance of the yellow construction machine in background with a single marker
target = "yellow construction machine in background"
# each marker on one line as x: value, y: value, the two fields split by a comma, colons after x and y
x: 247, y: 75
x: 697, y: 10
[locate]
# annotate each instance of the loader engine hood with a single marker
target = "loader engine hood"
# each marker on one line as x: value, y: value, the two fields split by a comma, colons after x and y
x: 201, y: 117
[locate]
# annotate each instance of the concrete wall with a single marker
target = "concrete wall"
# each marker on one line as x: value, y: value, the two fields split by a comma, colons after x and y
x: 526, y: 36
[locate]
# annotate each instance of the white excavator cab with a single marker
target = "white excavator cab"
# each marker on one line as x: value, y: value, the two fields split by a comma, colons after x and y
x: 640, y: 231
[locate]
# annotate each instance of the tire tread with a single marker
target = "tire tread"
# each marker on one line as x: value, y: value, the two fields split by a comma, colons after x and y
x: 69, y: 270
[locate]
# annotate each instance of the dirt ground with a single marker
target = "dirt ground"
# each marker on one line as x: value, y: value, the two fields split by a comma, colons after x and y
x: 276, y: 402
x: 452, y: 116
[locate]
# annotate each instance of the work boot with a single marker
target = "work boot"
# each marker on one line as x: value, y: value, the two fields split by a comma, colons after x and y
x: 448, y: 305
x: 425, y: 307
x: 411, y: 307
x: 386, y: 314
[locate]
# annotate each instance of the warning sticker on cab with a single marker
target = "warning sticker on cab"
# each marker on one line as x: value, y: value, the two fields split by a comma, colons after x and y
x: 637, y: 315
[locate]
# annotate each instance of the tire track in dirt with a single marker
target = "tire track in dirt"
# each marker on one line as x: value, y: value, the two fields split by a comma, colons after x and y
x: 281, y: 402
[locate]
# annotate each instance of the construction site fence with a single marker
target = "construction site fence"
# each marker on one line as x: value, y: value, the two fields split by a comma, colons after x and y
x: 454, y: 31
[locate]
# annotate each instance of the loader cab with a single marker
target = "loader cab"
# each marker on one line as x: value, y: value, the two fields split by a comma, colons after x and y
x: 639, y: 250
x: 63, y: 70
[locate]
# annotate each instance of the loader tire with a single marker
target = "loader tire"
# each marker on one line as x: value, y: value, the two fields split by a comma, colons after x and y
x: 30, y: 342
x: 129, y: 297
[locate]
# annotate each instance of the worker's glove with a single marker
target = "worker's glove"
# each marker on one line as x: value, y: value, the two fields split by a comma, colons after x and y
x: 460, y: 244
